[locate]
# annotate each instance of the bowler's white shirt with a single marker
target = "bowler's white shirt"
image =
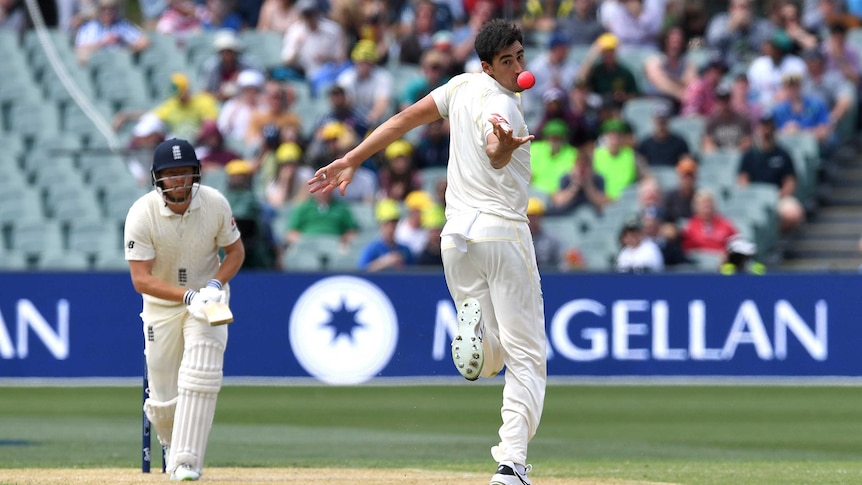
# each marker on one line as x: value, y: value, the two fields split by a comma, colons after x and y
x: 184, y: 248
x: 474, y: 186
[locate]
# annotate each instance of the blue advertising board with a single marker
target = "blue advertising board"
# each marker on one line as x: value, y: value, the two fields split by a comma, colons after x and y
x: 350, y: 328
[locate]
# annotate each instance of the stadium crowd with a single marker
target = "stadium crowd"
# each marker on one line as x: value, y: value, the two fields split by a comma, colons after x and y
x: 652, y: 117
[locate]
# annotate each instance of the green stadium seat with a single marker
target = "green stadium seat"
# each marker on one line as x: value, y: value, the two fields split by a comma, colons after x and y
x: 33, y: 119
x: 93, y: 236
x: 363, y: 214
x: 63, y: 261
x: 691, y: 129
x: 705, y: 261
x: 640, y: 113
x: 20, y: 203
x: 311, y: 253
x: 13, y: 261
x: 113, y: 261
x: 34, y: 237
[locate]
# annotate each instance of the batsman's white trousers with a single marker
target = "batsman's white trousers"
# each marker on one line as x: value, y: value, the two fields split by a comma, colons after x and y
x: 167, y: 331
x: 499, y: 269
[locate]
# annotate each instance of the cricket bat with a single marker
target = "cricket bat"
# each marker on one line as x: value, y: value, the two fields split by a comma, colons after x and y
x: 218, y: 313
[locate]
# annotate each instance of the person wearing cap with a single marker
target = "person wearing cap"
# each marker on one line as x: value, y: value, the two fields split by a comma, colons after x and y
x: 211, y: 149
x: 739, y: 257
x: 699, y: 96
x: 341, y: 109
x: 615, y: 161
x: 108, y: 30
x: 399, y: 176
x: 219, y: 73
x: 662, y: 148
x: 707, y: 229
x: 410, y: 231
x: 551, y: 157
x: 726, y: 129
x: 250, y: 215
x: 549, y: 249
x: 676, y: 201
x: 553, y: 68
x: 604, y: 74
x: 638, y: 254
x: 557, y: 106
x: 581, y: 186
x: 276, y: 109
x: 148, y: 132
x: 435, y: 65
x: 636, y: 23
x: 172, y: 238
x: 384, y: 253
x: 283, y: 176
x: 315, y: 47
x: 802, y: 112
x: 185, y: 111
x: 486, y: 242
x: 767, y: 162
x: 433, y: 220
x: 369, y: 86
x: 766, y: 73
x: 235, y: 114
x: 739, y: 33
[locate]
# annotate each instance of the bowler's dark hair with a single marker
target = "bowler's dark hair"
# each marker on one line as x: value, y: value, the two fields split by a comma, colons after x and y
x: 496, y: 35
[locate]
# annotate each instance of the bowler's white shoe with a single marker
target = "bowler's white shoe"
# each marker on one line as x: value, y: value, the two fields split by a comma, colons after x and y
x: 467, y: 352
x: 507, y: 474
x: 185, y: 473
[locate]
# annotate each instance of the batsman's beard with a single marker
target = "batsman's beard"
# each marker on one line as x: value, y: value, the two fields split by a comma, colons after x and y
x: 178, y: 195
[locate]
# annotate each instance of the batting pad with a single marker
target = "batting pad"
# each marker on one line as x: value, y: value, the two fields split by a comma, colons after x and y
x: 200, y: 380
x: 161, y: 416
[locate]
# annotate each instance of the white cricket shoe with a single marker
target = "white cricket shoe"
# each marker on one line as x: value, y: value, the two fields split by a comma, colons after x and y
x: 467, y: 352
x: 185, y: 473
x: 507, y: 474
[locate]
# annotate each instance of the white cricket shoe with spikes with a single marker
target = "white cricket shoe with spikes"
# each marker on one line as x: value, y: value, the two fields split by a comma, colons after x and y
x: 509, y: 474
x: 185, y: 473
x: 467, y: 352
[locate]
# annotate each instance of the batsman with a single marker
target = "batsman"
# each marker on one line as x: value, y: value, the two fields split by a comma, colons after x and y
x: 172, y: 238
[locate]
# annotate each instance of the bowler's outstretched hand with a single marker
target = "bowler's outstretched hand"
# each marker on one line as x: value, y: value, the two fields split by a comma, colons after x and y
x: 337, y: 174
x: 500, y: 150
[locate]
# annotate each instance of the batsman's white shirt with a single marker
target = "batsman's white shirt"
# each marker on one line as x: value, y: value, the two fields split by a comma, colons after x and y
x: 184, y: 246
x: 488, y: 251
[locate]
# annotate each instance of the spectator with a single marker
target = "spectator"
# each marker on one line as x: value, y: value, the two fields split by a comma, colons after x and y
x: 285, y: 183
x: 841, y: 56
x: 435, y: 67
x: 219, y: 72
x: 581, y: 186
x: 433, y: 220
x: 235, y: 115
x: 277, y: 16
x: 677, y: 201
x: 585, y: 106
x: 210, y: 148
x: 551, y: 157
x: 416, y: 36
x: 248, y: 214
x: 331, y: 142
x: 148, y: 132
x: 638, y: 254
x: 604, y: 74
x: 668, y: 71
x: 766, y: 72
x: 384, y: 253
x: 725, y: 128
x: 552, y: 68
x: 662, y: 148
x: 342, y: 111
x: 649, y: 197
x: 743, y: 100
x: 433, y: 147
x: 582, y: 25
x: 464, y: 36
x: 768, y: 163
x: 275, y: 110
x: 738, y: 34
x: 545, y: 15
x: 665, y: 235
x: 398, y: 176
x: 699, y: 96
x: 801, y: 112
x: 219, y: 15
x: 791, y: 24
x: 368, y: 86
x: 633, y: 22
x: 409, y: 231
x: 615, y: 161
x: 314, y: 49
x: 547, y: 247
x: 706, y: 230
x: 181, y: 20
x: 321, y: 214
x: 831, y: 86
x: 738, y: 257
x: 108, y: 31
x: 556, y: 107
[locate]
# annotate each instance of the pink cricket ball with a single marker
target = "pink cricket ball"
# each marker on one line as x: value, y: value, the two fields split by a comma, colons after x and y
x: 526, y: 80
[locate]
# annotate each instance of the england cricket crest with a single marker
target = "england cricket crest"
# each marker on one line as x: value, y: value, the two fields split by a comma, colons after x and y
x: 343, y: 330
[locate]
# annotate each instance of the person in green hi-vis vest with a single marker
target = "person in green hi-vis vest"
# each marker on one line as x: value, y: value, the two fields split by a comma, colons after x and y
x: 614, y: 160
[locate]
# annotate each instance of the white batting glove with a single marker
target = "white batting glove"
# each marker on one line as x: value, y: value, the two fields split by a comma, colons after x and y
x: 213, y: 291
x: 195, y: 303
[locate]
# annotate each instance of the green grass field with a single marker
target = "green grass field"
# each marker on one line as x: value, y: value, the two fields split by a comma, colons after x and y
x: 681, y: 434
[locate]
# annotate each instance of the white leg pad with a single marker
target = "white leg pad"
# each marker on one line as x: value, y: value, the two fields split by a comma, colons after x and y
x: 161, y: 416
x: 200, y: 380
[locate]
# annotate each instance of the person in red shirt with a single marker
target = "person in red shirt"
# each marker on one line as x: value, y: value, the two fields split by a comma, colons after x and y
x: 707, y: 229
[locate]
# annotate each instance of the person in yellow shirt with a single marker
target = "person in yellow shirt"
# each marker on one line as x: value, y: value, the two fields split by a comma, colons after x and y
x: 184, y: 112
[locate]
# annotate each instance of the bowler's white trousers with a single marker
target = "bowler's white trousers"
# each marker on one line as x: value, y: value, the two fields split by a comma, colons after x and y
x: 499, y: 269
